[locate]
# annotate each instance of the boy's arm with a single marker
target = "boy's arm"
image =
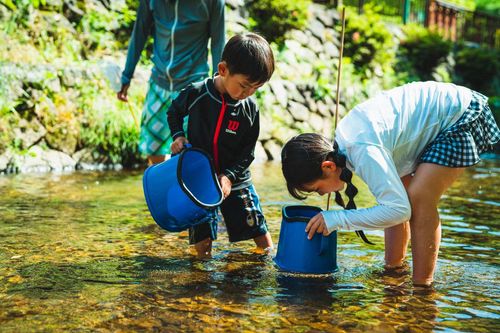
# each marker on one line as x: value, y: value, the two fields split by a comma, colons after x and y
x: 140, y: 34
x: 217, y: 32
x: 246, y: 156
x: 176, y: 113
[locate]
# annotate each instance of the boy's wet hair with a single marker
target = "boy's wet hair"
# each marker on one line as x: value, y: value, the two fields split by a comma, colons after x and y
x: 250, y: 55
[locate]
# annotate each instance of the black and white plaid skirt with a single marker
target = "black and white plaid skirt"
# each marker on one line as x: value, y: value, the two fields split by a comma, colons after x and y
x: 460, y: 145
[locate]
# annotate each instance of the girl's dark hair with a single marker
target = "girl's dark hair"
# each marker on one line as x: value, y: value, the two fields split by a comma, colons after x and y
x: 301, y: 159
x: 250, y: 55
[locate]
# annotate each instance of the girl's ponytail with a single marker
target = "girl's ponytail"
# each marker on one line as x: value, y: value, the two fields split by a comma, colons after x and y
x: 351, y: 190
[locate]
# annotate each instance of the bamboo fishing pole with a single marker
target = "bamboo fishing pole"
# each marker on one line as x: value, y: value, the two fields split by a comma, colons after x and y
x: 360, y: 233
x: 337, y: 98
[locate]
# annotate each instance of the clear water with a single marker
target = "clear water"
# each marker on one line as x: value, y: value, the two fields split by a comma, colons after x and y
x: 79, y: 252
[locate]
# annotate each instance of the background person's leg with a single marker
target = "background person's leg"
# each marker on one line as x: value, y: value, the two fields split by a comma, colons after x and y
x: 396, y: 238
x: 424, y: 191
x: 155, y: 159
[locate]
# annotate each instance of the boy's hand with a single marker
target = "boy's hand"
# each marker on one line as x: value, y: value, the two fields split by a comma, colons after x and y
x: 178, y: 145
x: 225, y: 184
x: 122, y: 94
x: 316, y: 225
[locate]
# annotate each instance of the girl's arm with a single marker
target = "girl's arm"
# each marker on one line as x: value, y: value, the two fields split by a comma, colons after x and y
x: 375, y: 167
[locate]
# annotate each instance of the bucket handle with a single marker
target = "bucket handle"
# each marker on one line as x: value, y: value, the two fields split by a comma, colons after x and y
x: 186, y: 145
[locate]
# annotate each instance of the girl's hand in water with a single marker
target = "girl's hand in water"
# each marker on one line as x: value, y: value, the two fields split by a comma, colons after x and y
x: 226, y: 185
x: 316, y: 225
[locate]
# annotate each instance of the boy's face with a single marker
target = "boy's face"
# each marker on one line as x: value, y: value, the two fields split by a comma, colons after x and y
x: 237, y: 85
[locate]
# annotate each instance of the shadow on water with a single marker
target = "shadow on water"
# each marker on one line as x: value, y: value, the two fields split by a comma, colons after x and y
x: 79, y: 252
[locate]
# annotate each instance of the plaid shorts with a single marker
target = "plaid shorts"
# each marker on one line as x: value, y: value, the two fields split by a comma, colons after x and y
x: 461, y: 144
x: 155, y: 138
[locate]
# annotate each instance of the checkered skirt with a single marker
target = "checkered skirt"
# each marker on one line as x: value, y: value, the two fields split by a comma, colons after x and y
x: 155, y: 137
x: 461, y: 144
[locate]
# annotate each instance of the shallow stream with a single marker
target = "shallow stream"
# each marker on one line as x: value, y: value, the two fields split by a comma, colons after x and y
x: 80, y: 252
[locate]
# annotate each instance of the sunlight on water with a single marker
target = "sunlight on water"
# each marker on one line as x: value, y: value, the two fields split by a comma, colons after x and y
x: 80, y: 252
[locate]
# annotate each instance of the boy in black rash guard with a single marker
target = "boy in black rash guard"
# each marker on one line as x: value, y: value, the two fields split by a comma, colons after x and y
x: 224, y: 122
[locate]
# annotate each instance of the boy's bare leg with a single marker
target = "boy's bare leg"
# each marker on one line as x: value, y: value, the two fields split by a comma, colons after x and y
x: 425, y: 190
x: 155, y: 159
x: 203, y: 248
x: 264, y: 241
x: 396, y: 238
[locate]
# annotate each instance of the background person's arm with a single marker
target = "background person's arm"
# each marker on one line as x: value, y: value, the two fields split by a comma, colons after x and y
x: 140, y: 34
x: 217, y: 32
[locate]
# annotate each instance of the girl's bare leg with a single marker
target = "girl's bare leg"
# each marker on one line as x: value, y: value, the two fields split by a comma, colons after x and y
x: 396, y: 243
x: 425, y: 190
x: 396, y: 238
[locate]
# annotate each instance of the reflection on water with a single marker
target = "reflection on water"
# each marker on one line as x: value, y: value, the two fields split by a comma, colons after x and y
x: 80, y: 252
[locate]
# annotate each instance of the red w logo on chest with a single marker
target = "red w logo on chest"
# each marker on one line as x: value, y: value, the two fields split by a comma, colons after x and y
x: 232, y: 126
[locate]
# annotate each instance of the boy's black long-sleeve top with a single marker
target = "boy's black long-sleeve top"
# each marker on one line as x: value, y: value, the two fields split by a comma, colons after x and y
x: 225, y: 128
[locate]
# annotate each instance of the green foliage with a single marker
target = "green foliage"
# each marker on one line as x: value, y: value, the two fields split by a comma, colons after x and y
x: 368, y: 42
x: 422, y: 51
x: 83, y: 30
x: 9, y: 4
x: 107, y: 128
x: 273, y: 18
x: 478, y: 68
x: 488, y: 6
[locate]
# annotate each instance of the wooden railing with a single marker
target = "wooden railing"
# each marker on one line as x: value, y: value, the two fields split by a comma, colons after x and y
x: 443, y: 18
x: 456, y: 23
x: 453, y: 22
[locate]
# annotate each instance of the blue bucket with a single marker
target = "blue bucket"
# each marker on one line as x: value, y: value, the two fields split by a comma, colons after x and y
x: 298, y: 254
x: 182, y: 191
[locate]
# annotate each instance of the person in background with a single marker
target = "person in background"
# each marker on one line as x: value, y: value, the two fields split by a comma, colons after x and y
x: 224, y: 122
x: 181, y: 30
x: 408, y: 144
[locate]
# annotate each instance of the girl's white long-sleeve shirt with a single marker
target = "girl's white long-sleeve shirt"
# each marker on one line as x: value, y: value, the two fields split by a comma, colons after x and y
x: 383, y: 139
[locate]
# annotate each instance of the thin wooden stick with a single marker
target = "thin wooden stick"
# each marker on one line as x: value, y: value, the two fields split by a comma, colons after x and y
x: 337, y: 99
x: 136, y: 121
x: 131, y: 109
x: 339, y: 72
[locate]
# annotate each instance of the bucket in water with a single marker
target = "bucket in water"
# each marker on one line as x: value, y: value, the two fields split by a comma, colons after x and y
x: 298, y: 254
x: 182, y: 191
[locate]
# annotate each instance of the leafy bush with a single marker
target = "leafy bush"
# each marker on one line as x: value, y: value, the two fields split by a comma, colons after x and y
x: 368, y: 42
x: 478, y: 68
x: 273, y: 18
x: 107, y: 127
x: 423, y: 50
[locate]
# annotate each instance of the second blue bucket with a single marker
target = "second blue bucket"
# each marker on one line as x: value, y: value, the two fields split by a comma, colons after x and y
x: 182, y: 191
x: 296, y: 253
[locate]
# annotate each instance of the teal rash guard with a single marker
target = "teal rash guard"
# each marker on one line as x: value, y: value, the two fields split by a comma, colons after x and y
x: 181, y: 30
